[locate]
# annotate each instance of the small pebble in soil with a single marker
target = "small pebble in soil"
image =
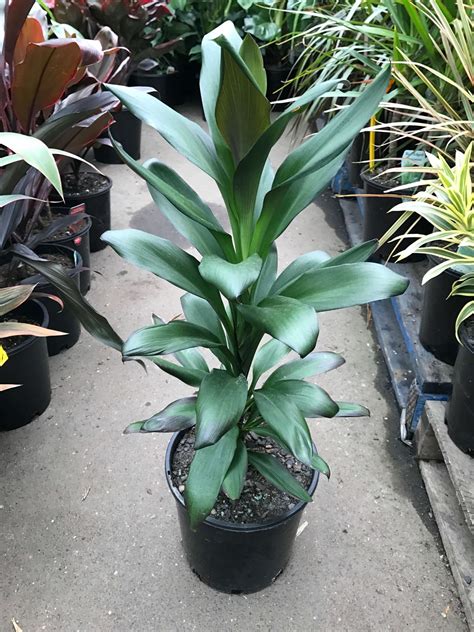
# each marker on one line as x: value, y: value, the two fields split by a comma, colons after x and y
x: 260, y: 501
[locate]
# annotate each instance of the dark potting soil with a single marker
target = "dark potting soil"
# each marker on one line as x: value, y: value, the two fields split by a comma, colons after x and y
x: 75, y: 227
x: 87, y: 183
x: 260, y: 501
x: 385, y: 180
x: 11, y: 275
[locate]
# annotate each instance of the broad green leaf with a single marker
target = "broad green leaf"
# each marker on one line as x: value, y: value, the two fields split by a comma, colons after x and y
x: 201, y: 238
x: 188, y: 358
x: 184, y: 135
x: 320, y: 464
x: 231, y: 279
x: 267, y: 356
x: 178, y: 415
x: 313, y: 364
x: 267, y: 276
x: 159, y: 256
x: 12, y: 297
x: 163, y: 339
x: 290, y: 321
x: 356, y: 254
x: 336, y: 136
x: 174, y: 189
x: 34, y: 152
x: 346, y: 285
x: 192, y: 377
x: 286, y: 419
x: 220, y: 405
x: 277, y: 474
x: 242, y: 111
x: 70, y: 294
x: 248, y: 174
x: 312, y: 400
x: 198, y: 311
x: 298, y: 267
x: 252, y: 57
x: 347, y: 409
x: 206, y: 475
x: 235, y: 478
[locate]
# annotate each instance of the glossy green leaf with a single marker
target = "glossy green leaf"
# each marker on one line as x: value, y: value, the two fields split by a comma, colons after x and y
x: 184, y: 135
x: 163, y: 339
x: 313, y: 364
x: 346, y: 285
x: 317, y: 463
x: 286, y: 419
x: 192, y: 377
x: 242, y: 111
x: 356, y: 254
x: 231, y: 279
x: 347, y: 409
x: 178, y: 415
x: 235, y: 478
x: 206, y: 475
x: 267, y: 276
x: 198, y: 311
x: 34, y: 152
x: 312, y: 400
x: 220, y: 405
x: 251, y: 55
x: 308, y: 261
x: 192, y: 359
x: 289, y: 321
x: 267, y: 356
x: 159, y: 256
x: 278, y: 475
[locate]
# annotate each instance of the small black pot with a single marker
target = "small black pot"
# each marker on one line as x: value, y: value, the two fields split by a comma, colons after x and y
x: 358, y: 154
x: 79, y: 241
x: 97, y: 205
x: 236, y: 558
x: 276, y: 88
x: 127, y: 130
x: 169, y: 87
x: 377, y: 220
x: 27, y: 365
x: 460, y: 410
x: 60, y: 319
x: 439, y: 314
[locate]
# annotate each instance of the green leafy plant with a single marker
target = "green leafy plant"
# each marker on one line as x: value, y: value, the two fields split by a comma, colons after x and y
x: 233, y: 294
x: 446, y: 200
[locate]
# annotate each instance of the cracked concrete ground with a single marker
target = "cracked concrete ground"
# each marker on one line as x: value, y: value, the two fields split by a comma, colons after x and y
x: 89, y: 539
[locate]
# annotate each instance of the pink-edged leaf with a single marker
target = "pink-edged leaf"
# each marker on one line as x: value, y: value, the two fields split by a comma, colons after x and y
x: 16, y: 14
x: 13, y: 297
x: 31, y: 32
x: 10, y: 329
x: 6, y: 387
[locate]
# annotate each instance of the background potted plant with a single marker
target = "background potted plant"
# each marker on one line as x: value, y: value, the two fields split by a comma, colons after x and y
x: 233, y: 299
x: 447, y: 201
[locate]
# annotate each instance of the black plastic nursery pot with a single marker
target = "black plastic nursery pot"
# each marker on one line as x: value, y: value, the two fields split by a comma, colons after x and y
x: 28, y: 366
x: 60, y: 319
x: 169, y: 87
x: 79, y: 241
x: 378, y: 219
x: 96, y: 198
x: 235, y: 558
x: 460, y: 410
x: 439, y: 314
x: 357, y: 155
x: 277, y: 75
x: 127, y: 130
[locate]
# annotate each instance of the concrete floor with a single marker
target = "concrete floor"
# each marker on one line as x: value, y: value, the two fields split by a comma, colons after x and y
x: 88, y: 534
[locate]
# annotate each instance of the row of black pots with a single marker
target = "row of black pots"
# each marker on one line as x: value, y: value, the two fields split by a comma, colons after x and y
x: 439, y: 309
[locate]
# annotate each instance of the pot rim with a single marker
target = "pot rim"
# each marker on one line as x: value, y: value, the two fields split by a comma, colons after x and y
x: 231, y: 526
x: 63, y: 241
x: 86, y: 196
x: 31, y: 339
x: 76, y: 256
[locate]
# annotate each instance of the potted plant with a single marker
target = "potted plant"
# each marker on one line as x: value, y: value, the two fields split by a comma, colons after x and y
x: 25, y: 389
x: 238, y: 427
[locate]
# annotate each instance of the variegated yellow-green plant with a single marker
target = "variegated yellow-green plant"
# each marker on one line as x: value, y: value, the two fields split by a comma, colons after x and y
x: 234, y: 296
x: 446, y: 199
